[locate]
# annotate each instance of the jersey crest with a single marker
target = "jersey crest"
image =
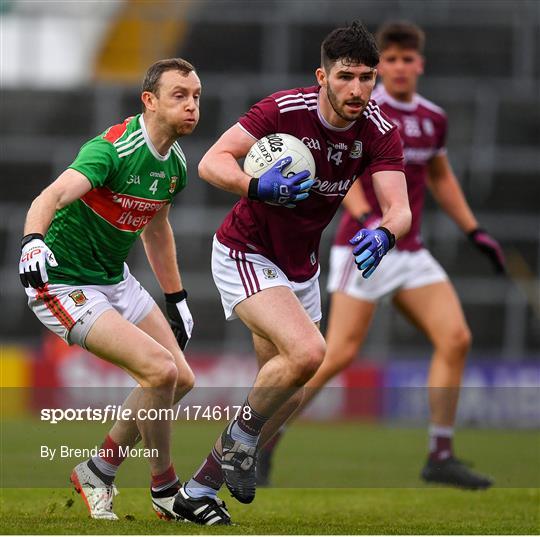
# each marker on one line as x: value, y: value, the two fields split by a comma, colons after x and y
x: 172, y: 185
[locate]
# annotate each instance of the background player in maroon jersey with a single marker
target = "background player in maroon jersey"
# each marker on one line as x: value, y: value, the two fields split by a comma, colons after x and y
x: 265, y: 255
x: 419, y: 285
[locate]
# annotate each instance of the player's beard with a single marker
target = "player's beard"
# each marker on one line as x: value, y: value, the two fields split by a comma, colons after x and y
x: 184, y: 129
x: 339, y: 109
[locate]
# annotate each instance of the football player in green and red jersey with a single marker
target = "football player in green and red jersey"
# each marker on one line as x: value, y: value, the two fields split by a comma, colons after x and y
x: 77, y: 235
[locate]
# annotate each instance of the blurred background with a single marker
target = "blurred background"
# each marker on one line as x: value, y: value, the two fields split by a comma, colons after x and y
x: 71, y: 69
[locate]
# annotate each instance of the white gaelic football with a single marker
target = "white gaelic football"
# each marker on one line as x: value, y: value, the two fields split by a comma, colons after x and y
x: 264, y: 153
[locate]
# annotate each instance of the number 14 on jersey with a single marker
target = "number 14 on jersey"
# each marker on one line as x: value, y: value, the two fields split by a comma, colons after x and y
x: 334, y: 155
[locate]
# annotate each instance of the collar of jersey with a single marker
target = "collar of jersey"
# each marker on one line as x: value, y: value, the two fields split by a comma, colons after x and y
x: 149, y: 143
x: 394, y: 103
x: 326, y: 124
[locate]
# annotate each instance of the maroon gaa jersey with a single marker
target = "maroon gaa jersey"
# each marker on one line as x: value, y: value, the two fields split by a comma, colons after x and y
x: 422, y: 126
x: 290, y: 237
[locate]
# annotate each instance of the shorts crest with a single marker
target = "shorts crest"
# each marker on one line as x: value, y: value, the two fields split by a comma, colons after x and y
x: 78, y: 297
x: 270, y: 273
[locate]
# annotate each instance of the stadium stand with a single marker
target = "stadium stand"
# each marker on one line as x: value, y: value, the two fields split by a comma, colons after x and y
x: 482, y: 67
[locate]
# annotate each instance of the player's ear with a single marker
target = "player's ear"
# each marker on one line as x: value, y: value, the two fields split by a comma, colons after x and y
x: 320, y: 74
x: 148, y: 99
x: 421, y: 65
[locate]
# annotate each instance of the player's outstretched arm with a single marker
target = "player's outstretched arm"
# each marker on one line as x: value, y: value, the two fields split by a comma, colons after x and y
x: 35, y: 254
x: 219, y: 165
x: 447, y: 192
x: 160, y: 248
x: 371, y: 245
x: 391, y: 191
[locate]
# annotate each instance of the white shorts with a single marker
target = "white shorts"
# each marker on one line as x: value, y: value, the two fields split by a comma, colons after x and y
x: 70, y: 310
x: 398, y: 270
x: 239, y: 275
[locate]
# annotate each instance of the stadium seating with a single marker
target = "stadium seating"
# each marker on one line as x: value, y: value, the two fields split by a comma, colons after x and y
x: 246, y: 51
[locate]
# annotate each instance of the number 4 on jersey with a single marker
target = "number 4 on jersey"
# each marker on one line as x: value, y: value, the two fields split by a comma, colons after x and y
x: 153, y: 187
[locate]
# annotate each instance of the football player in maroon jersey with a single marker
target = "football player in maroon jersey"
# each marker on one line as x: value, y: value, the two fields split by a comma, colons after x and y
x: 418, y: 284
x: 265, y: 258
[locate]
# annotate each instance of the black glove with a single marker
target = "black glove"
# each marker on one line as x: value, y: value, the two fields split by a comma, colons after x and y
x: 489, y: 247
x: 180, y: 317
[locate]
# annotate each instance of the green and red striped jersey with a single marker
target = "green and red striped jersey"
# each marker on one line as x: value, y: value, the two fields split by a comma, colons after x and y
x: 131, y: 182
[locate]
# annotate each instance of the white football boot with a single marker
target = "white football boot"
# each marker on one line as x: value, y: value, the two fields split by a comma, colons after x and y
x: 97, y: 495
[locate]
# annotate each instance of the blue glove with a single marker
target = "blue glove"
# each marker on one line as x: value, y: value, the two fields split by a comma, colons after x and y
x: 276, y: 189
x: 371, y: 247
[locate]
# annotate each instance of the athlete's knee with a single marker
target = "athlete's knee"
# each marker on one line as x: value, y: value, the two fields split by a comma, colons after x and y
x: 184, y: 383
x: 162, y: 371
x: 456, y: 343
x: 307, y: 358
x: 462, y: 340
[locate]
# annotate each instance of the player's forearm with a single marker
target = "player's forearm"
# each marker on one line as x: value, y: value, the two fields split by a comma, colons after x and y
x: 222, y: 170
x: 68, y: 187
x: 448, y: 194
x: 160, y: 249
x: 41, y: 213
x: 397, y: 218
x: 391, y: 191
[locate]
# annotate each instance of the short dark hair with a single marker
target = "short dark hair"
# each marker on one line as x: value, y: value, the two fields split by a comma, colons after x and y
x: 153, y: 75
x: 353, y: 44
x: 402, y: 34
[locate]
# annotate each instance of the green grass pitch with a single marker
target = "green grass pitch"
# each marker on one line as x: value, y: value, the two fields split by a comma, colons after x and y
x: 340, y: 478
